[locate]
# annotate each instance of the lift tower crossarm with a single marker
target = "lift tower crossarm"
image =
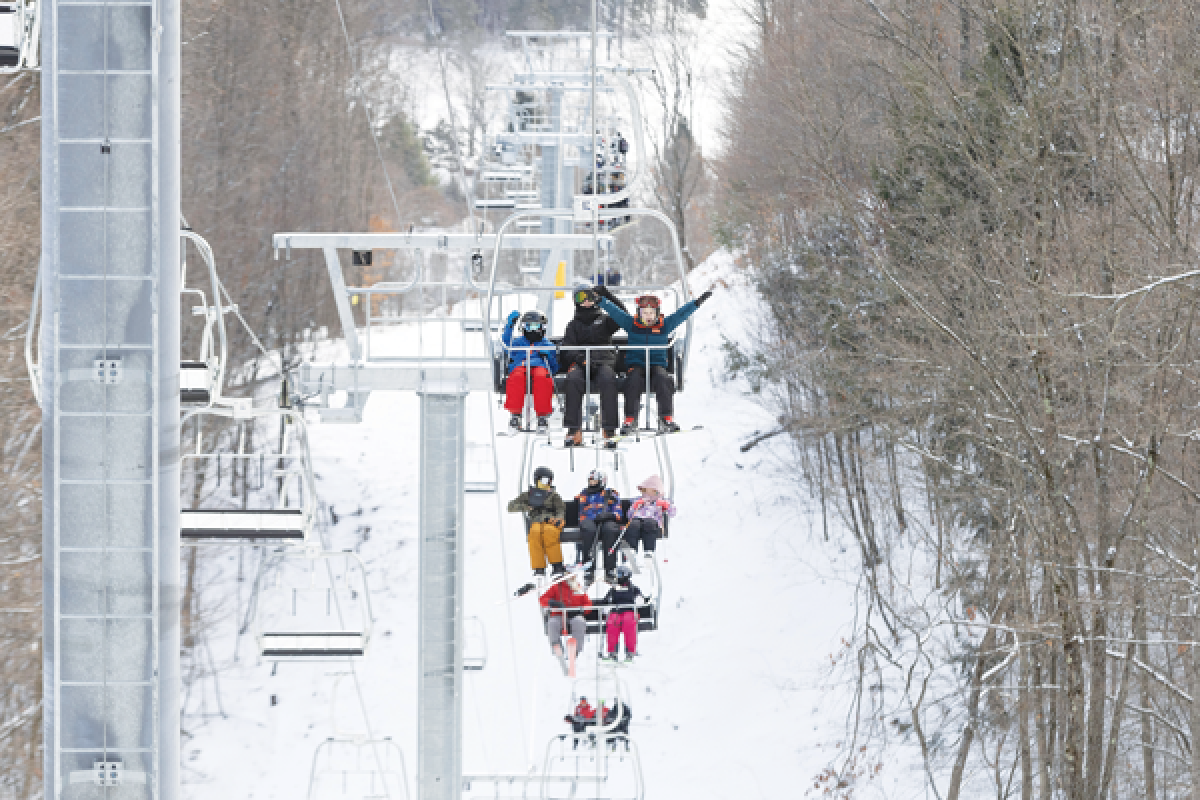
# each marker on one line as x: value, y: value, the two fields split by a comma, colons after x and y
x: 431, y: 241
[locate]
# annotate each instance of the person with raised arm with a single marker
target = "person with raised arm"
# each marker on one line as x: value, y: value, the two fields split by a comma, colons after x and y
x: 649, y: 334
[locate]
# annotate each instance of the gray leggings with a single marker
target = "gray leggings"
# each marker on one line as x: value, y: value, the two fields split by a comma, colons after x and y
x: 578, y: 628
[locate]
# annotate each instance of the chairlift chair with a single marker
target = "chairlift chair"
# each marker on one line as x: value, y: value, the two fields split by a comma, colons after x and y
x: 578, y: 766
x: 291, y: 517
x: 358, y: 768
x: 201, y: 378
x: 312, y: 604
x: 20, y: 34
x: 475, y: 647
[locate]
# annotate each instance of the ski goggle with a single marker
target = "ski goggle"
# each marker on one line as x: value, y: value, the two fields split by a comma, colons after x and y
x: 534, y: 325
x: 584, y: 296
x: 647, y: 301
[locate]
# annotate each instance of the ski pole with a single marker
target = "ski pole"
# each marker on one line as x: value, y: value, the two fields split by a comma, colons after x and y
x: 620, y: 539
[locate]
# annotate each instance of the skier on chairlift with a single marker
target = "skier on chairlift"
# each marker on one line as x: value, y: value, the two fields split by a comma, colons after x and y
x: 599, y: 517
x: 531, y: 360
x: 622, y: 601
x: 650, y: 329
x: 585, y: 714
x: 590, y: 327
x: 545, y: 510
x: 646, y: 515
x: 566, y: 601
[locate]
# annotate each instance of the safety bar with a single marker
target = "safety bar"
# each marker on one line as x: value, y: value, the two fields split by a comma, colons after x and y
x: 294, y: 418
x: 498, y: 242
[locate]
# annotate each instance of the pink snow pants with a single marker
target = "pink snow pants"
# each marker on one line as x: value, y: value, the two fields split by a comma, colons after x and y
x: 623, y: 622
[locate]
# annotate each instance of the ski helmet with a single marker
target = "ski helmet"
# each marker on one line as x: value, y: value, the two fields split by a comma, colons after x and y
x: 583, y: 295
x: 648, y: 301
x: 624, y: 574
x: 533, y: 321
x: 543, y: 474
x: 598, y: 476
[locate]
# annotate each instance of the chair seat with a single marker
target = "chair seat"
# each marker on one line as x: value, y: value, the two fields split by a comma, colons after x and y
x: 316, y: 644
x: 277, y: 524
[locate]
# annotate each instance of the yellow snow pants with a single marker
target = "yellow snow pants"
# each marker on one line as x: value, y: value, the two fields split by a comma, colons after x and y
x: 544, y: 544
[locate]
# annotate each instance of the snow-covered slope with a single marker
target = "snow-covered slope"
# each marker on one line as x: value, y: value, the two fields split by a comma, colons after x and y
x: 731, y: 698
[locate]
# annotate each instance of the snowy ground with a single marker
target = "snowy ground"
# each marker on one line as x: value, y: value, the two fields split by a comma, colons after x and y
x: 733, y: 697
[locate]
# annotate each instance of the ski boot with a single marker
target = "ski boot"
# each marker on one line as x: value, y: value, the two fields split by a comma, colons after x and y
x: 610, y: 657
x: 514, y: 423
x: 558, y: 569
x: 667, y: 425
x: 574, y: 439
x: 627, y: 426
x: 610, y: 439
x: 628, y: 657
x: 543, y: 425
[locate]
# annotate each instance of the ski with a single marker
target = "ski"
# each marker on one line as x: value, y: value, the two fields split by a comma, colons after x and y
x: 532, y: 586
x: 651, y: 433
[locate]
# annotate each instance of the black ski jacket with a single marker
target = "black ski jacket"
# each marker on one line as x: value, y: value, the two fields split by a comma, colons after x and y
x: 591, y: 326
x: 623, y: 598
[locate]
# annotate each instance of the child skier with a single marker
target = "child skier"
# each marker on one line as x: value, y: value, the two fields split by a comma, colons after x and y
x: 646, y: 516
x: 585, y: 714
x: 545, y: 510
x: 532, y: 365
x: 652, y: 331
x: 622, y: 616
x: 566, y: 601
x: 599, y: 515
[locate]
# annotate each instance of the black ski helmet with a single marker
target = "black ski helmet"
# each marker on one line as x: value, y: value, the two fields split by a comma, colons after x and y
x: 624, y: 574
x: 543, y: 472
x: 533, y: 323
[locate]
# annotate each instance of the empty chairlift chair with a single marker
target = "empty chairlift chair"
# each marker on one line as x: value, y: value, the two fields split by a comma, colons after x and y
x: 312, y: 605
x: 357, y: 768
x: 475, y: 649
x: 608, y: 767
x: 201, y: 378
x: 20, y: 30
x: 255, y: 498
x: 10, y: 35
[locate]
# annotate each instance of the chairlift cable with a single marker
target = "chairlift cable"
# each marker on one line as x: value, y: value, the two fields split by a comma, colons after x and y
x: 362, y: 703
x: 512, y: 639
x: 362, y: 96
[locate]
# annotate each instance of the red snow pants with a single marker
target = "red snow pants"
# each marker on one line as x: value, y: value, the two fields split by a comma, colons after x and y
x: 541, y: 384
x: 623, y: 622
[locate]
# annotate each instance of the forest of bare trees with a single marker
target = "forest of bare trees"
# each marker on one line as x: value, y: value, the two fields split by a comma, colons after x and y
x: 972, y: 224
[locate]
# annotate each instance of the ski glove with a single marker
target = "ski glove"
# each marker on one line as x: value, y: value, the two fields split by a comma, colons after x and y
x: 603, y: 291
x: 512, y: 319
x: 700, y: 300
x: 558, y: 523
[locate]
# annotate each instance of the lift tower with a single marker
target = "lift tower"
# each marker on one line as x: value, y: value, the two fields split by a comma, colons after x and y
x: 109, y: 389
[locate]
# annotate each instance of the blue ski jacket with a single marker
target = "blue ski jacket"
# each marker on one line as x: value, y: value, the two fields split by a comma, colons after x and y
x: 545, y: 354
x: 641, y: 335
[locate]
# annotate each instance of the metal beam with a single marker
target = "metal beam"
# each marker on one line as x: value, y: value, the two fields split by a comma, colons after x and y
x: 407, y: 375
x: 110, y: 391
x: 434, y: 241
x: 440, y: 618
